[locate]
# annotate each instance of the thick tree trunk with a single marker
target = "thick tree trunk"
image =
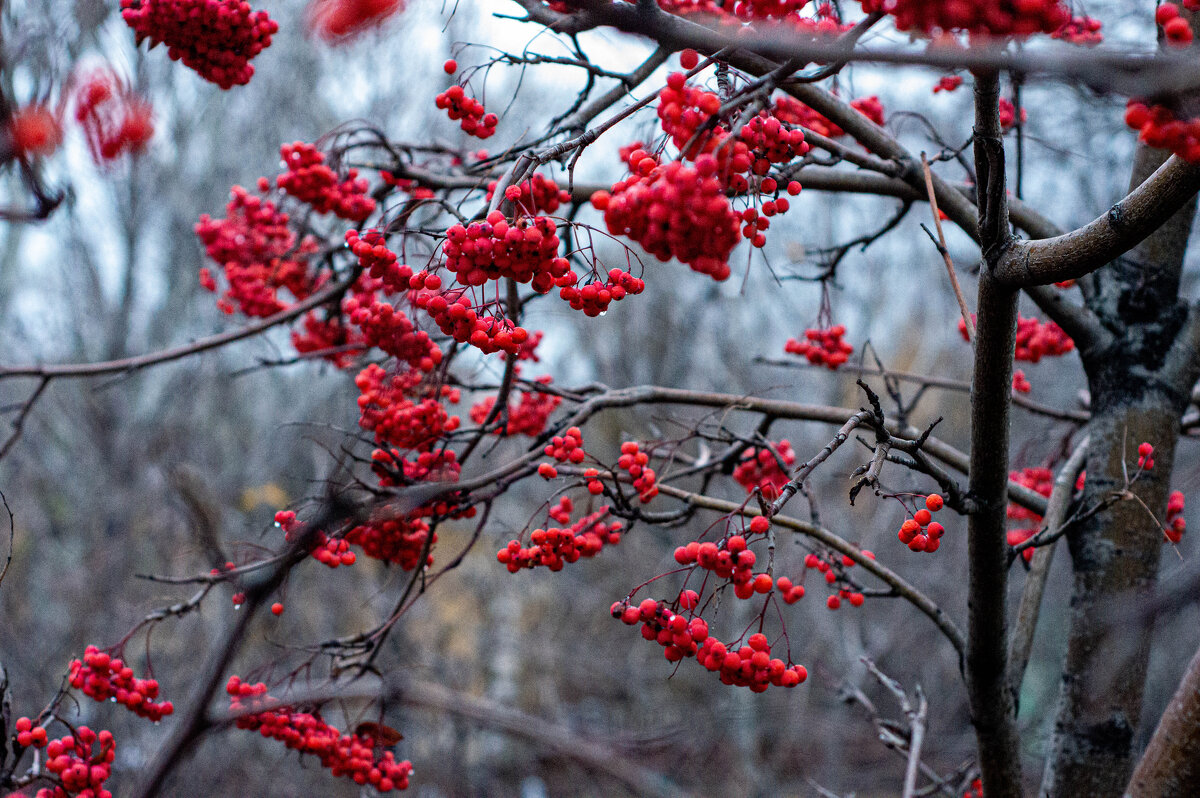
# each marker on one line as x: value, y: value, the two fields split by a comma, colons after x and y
x: 1136, y: 396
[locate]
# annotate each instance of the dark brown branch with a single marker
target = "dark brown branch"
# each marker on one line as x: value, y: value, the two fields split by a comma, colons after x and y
x: 1170, y: 767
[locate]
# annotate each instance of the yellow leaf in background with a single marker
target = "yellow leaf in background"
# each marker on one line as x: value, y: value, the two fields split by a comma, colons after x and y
x: 269, y: 494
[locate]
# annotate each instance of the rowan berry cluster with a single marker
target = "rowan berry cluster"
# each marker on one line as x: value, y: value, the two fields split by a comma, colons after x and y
x: 1176, y: 525
x: 792, y: 111
x: 761, y: 469
x: 113, y: 119
x: 467, y: 111
x: 401, y: 541
x: 328, y: 334
x: 1145, y: 456
x: 1040, y: 480
x: 948, y: 83
x: 1159, y: 127
x: 102, y: 677
x: 686, y: 114
x: 1008, y: 114
x: 29, y: 735
x: 259, y: 253
x: 730, y: 559
x: 676, y: 212
x: 566, y: 447
x: 347, y: 755
x: 1176, y: 29
x: 216, y: 38
x: 394, y: 469
x: 831, y: 572
x: 525, y: 251
x: 1084, y: 31
x: 921, y: 532
x: 83, y: 762
x: 528, y: 417
x: 1035, y: 339
x: 553, y: 547
x: 989, y: 17
x: 340, y: 19
x: 975, y: 790
x: 324, y: 548
x: 34, y: 130
x: 822, y: 347
x: 458, y: 318
x: 595, y: 297
x: 311, y: 181
x: 772, y: 142
x: 635, y: 462
x: 391, y: 330
x: 756, y: 220
x: 386, y: 409
x: 535, y: 195
x: 1020, y: 384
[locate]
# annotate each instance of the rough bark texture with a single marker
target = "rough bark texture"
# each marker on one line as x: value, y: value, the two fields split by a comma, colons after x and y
x: 1115, y: 553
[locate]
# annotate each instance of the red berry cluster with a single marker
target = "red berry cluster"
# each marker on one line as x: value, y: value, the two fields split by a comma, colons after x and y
x: 1084, y: 31
x: 259, y: 254
x: 1035, y: 339
x: 948, y: 83
x: 685, y: 113
x: 730, y: 559
x: 761, y: 469
x: 1176, y: 29
x: 311, y: 181
x: 536, y: 195
x: 1159, y: 126
x: 1019, y: 383
x: 792, y: 111
x: 1008, y: 114
x: 377, y: 261
x: 772, y: 142
x: 459, y: 319
x: 830, y: 573
x: 595, y: 297
x: 921, y: 532
x: 757, y: 220
x: 216, y: 38
x: 391, y: 330
x: 1176, y: 525
x: 393, y: 469
x: 525, y: 250
x: 102, y: 677
x: 114, y: 120
x: 553, y: 547
x: 676, y: 212
x: 324, y: 548
x: 34, y: 130
x: 530, y: 415
x: 386, y: 409
x: 458, y: 106
x: 396, y: 540
x: 328, y: 334
x: 636, y: 463
x: 566, y: 447
x: 822, y: 347
x: 989, y: 17
x: 975, y: 790
x: 339, y: 19
x: 348, y: 755
x: 82, y: 762
x: 410, y: 187
x: 29, y: 735
x: 1145, y: 456
x: 1040, y: 480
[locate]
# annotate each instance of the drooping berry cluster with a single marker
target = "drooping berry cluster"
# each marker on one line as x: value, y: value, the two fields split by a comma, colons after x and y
x: 1159, y: 126
x: 350, y: 756
x: 1040, y: 480
x: 761, y: 469
x: 636, y: 463
x: 535, y: 195
x: 948, y: 83
x: 757, y: 220
x: 1176, y: 29
x: 528, y: 417
x: 749, y: 665
x: 323, y: 548
x: 1020, y: 384
x: 921, y: 532
x: 1084, y: 31
x: 553, y: 547
x: 822, y: 347
x: 259, y: 254
x: 467, y: 111
x: 595, y: 297
x: 1176, y: 525
x: 676, y: 212
x: 113, y: 119
x: 29, y: 735
x: 311, y: 181
x: 328, y: 333
x: 393, y: 468
x: 831, y: 571
x: 83, y: 762
x: 730, y: 559
x: 401, y: 541
x: 34, y: 130
x: 102, y: 677
x: 341, y: 19
x: 216, y: 38
x: 1007, y: 113
x: 1145, y: 459
x: 1035, y: 339
x: 525, y: 251
x: 386, y: 409
x: 792, y: 111
x: 988, y: 17
x: 390, y: 329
